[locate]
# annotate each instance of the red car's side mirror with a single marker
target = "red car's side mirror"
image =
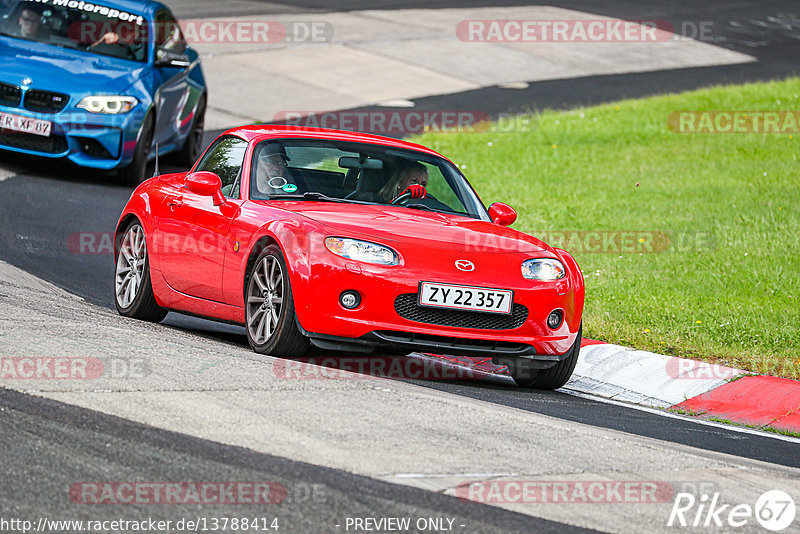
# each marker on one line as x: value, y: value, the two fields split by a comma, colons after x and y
x: 206, y: 184
x: 502, y: 214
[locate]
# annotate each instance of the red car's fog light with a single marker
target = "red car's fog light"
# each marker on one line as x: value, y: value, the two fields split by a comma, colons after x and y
x: 554, y: 319
x: 350, y: 299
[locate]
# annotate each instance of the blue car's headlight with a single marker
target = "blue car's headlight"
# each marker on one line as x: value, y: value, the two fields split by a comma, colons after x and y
x: 108, y: 105
x: 544, y: 269
x: 365, y: 251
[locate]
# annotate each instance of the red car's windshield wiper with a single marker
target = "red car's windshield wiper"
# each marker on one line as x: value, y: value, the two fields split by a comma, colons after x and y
x: 310, y: 195
x: 313, y: 195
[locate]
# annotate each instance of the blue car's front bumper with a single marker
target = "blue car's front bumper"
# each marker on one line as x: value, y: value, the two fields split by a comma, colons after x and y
x: 87, y: 139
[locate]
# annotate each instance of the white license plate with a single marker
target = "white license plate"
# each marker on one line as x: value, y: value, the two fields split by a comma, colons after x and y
x: 465, y: 298
x: 25, y: 124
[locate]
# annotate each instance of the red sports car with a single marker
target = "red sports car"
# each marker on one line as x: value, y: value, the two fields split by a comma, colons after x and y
x: 347, y: 241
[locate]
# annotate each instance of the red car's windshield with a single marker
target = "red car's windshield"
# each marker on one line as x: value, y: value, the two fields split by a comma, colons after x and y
x: 84, y: 26
x: 358, y: 172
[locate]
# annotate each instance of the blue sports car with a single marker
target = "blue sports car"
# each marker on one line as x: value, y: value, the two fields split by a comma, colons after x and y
x: 99, y: 83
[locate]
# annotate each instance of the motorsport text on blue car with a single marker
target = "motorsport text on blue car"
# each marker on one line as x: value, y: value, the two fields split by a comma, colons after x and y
x: 99, y: 83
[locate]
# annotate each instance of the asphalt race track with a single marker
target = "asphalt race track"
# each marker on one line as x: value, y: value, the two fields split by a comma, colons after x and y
x: 46, y: 207
x: 164, y: 455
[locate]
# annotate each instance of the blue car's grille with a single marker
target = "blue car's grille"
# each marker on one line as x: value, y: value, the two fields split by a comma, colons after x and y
x: 10, y: 95
x: 45, y: 101
x: 55, y: 144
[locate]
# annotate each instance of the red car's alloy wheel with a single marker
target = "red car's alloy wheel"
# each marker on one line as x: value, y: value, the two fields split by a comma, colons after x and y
x: 133, y: 290
x: 130, y: 266
x: 269, y: 308
x: 265, y: 299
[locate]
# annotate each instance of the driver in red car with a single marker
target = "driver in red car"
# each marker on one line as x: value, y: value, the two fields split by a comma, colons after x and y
x: 272, y: 173
x: 412, y: 179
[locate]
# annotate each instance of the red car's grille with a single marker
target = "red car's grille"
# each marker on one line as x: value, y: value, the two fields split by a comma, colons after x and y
x: 406, y: 306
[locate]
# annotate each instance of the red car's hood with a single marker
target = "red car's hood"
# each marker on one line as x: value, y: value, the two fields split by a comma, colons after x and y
x: 403, y: 225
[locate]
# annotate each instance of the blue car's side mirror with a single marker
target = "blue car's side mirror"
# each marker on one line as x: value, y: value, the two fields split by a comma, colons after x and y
x: 165, y: 58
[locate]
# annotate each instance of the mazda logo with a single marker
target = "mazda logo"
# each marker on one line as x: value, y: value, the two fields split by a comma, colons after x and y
x: 465, y: 265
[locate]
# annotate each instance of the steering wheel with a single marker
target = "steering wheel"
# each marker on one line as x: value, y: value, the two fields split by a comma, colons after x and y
x: 401, y: 199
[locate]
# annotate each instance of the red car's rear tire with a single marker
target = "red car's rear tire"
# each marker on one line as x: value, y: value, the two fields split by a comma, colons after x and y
x: 270, y: 318
x: 133, y: 289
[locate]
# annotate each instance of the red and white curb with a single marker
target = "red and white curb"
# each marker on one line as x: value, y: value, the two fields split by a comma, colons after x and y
x: 700, y: 388
x: 656, y: 381
x: 645, y: 378
x: 754, y: 400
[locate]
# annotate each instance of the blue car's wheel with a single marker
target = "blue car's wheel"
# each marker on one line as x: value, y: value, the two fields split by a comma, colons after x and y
x: 134, y: 174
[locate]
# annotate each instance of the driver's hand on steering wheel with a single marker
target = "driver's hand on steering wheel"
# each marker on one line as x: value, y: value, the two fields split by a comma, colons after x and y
x: 415, y: 190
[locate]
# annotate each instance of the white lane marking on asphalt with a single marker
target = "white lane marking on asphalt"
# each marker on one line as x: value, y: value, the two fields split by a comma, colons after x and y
x: 662, y: 413
x: 5, y: 174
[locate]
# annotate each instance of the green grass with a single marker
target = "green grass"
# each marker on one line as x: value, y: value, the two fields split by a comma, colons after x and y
x: 727, y: 289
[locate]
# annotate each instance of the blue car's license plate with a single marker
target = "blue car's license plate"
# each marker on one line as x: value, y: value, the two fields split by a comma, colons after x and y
x: 18, y: 123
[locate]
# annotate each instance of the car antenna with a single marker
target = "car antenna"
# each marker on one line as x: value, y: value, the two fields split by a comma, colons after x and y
x: 156, y: 171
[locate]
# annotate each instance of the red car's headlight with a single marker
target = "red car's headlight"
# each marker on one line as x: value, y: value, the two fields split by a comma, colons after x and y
x: 364, y: 251
x: 544, y: 269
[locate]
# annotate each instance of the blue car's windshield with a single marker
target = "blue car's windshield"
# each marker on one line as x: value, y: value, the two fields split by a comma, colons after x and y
x: 92, y: 27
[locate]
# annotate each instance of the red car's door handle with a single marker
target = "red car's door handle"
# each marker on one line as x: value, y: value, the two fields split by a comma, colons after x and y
x: 175, y: 202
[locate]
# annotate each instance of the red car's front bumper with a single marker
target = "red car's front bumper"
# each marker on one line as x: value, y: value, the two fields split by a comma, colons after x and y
x: 388, y: 314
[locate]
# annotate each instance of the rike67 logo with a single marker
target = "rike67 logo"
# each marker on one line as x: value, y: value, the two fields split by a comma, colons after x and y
x: 774, y: 510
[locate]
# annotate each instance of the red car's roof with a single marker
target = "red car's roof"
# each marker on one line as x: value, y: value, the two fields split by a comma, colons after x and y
x: 258, y: 132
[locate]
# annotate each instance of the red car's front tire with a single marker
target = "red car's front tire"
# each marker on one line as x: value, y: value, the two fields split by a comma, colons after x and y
x: 555, y: 377
x: 270, y: 318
